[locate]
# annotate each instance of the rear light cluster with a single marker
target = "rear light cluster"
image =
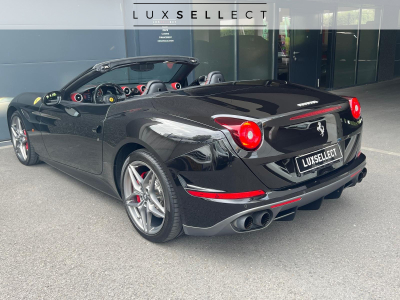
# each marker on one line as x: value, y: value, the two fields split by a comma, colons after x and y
x: 355, y: 107
x: 246, y: 134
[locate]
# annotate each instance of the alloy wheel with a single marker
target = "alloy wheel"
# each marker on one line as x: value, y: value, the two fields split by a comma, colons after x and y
x: 19, y: 138
x: 144, y: 197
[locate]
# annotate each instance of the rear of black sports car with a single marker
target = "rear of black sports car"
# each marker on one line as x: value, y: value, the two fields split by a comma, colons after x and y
x: 284, y: 148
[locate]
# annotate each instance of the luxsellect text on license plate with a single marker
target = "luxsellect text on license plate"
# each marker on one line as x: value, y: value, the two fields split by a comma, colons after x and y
x: 316, y: 159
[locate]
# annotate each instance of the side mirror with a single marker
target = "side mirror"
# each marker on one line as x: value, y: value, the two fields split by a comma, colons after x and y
x: 52, y: 98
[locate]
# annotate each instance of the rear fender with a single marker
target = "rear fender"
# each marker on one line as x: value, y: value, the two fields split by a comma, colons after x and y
x: 166, y: 137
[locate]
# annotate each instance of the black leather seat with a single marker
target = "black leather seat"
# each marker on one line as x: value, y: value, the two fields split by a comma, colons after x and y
x: 215, y: 77
x: 155, y: 86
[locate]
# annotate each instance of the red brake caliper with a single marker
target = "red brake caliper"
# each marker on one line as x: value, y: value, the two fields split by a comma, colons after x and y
x: 26, y: 144
x: 138, y: 197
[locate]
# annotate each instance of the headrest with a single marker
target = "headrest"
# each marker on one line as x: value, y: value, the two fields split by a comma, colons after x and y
x: 215, y: 77
x: 155, y: 86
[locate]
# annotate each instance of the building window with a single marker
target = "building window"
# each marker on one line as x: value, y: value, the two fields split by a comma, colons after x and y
x: 346, y: 47
x: 397, y: 57
x: 284, y: 44
x: 255, y: 51
x: 368, y: 46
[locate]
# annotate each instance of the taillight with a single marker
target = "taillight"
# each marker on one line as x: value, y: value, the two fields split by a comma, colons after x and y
x: 355, y: 107
x: 246, y: 134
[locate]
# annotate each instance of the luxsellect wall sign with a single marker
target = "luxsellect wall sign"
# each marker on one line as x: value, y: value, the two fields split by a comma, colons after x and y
x: 166, y: 27
x: 192, y: 15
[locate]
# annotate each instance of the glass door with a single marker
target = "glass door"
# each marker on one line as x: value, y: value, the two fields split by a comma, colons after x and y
x: 347, y: 20
x: 357, y: 46
x: 326, y: 50
x: 368, y: 46
x: 284, y: 44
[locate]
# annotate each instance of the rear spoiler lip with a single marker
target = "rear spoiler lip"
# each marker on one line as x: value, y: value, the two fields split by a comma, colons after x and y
x: 274, y: 119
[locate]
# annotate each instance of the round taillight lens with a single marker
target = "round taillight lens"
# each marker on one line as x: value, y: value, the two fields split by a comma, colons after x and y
x: 246, y: 134
x: 355, y: 108
x: 250, y: 135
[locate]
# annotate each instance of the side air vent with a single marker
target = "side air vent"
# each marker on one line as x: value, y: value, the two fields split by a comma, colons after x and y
x: 126, y: 90
x: 176, y: 86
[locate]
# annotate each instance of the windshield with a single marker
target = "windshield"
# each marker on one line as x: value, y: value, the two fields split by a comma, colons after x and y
x: 139, y: 73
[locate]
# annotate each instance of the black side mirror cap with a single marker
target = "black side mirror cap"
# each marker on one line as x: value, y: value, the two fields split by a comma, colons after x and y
x: 52, y: 98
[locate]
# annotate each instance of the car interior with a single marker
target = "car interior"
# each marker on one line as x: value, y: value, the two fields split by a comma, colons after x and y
x: 131, y: 81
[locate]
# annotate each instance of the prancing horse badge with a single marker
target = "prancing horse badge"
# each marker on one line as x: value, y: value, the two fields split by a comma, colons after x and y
x: 321, y: 129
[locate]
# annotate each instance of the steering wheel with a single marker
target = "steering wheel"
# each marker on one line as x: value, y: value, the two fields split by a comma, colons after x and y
x: 199, y: 81
x: 109, y: 98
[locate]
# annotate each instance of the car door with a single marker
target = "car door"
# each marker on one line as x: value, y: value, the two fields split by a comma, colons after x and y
x: 73, y: 133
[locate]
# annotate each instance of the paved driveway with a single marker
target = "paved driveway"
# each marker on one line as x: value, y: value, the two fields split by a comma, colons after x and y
x: 60, y: 239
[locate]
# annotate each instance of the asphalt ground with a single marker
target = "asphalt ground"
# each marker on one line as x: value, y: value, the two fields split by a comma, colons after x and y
x: 60, y: 239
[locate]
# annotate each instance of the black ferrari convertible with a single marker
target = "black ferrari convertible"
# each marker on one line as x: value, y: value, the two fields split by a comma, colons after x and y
x: 205, y: 157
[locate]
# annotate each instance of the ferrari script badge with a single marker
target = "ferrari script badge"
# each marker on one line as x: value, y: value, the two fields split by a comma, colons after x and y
x: 321, y: 129
x: 307, y: 103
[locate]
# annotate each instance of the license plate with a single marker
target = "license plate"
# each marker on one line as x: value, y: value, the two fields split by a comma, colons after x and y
x: 316, y: 159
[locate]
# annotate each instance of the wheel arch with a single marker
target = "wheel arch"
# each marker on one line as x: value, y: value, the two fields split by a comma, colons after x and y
x: 120, y: 158
x: 11, y: 109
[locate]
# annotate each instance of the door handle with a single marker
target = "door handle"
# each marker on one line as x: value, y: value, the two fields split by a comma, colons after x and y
x: 295, y: 52
x: 97, y: 129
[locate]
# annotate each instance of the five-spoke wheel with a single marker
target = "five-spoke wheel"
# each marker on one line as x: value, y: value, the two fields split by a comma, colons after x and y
x: 145, y: 200
x: 149, y: 197
x: 20, y: 139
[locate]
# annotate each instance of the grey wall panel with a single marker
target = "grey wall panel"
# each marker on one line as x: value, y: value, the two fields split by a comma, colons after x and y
x: 39, y: 77
x: 153, y: 42
x: 62, y: 14
x: 44, y: 60
x: 4, y: 133
x: 25, y: 46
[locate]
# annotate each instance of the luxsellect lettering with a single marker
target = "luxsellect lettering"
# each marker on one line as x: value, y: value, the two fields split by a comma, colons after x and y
x: 318, y: 158
x: 194, y: 15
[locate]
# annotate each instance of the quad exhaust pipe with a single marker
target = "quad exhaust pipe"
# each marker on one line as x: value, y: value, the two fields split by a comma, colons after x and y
x: 362, y: 175
x: 244, y: 223
x: 260, y: 219
x: 264, y: 218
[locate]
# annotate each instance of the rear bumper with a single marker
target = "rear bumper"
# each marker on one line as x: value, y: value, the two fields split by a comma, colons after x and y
x: 283, y: 205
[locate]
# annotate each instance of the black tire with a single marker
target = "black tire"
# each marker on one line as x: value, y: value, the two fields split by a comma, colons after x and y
x: 172, y: 226
x: 32, y: 157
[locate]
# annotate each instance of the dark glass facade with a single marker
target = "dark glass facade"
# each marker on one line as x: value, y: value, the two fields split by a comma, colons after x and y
x: 345, y: 52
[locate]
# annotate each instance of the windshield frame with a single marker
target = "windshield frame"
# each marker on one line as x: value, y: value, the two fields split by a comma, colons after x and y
x: 131, y: 77
x: 188, y: 64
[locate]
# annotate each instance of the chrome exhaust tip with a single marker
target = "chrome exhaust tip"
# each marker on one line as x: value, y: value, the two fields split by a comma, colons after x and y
x: 244, y: 222
x: 262, y: 218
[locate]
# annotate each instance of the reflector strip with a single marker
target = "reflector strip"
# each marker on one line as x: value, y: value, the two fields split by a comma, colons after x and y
x: 285, y: 203
x: 355, y: 173
x: 317, y: 112
x: 227, y: 196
